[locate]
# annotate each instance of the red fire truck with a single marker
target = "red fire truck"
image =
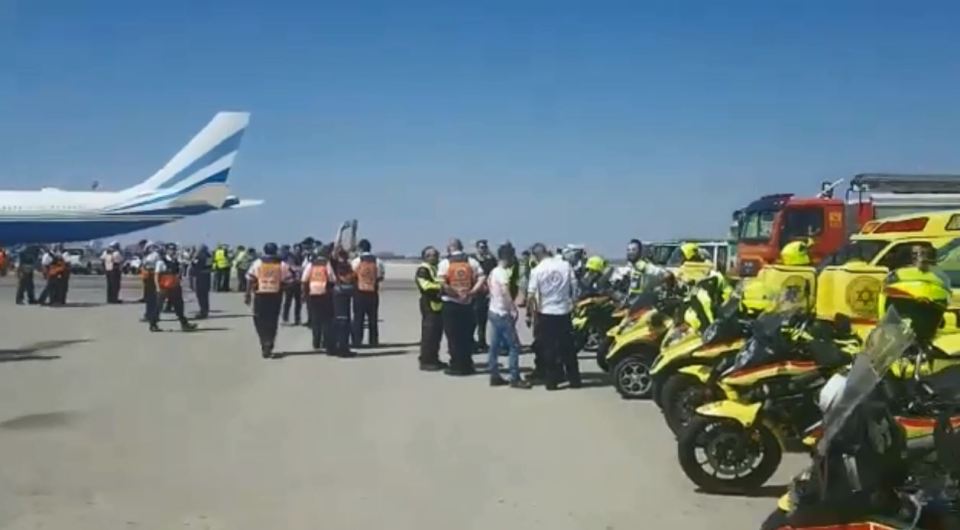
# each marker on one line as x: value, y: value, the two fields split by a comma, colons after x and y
x: 772, y: 221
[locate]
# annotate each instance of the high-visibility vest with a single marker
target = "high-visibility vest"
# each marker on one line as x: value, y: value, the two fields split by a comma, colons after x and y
x: 318, y: 279
x: 220, y: 259
x: 460, y: 274
x: 367, y: 273
x: 270, y: 276
x: 429, y: 286
x: 170, y: 277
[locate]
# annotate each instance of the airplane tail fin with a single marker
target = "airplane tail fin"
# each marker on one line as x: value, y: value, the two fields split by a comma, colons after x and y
x: 206, y: 159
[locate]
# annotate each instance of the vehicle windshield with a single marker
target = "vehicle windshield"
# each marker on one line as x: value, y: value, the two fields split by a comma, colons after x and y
x: 757, y: 226
x: 885, y: 344
x: 862, y: 249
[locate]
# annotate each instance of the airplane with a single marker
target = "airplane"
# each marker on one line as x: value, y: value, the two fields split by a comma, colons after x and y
x: 193, y: 182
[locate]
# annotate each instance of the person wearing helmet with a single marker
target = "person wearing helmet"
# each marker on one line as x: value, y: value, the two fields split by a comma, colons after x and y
x: 266, y: 278
x: 796, y: 254
x: 596, y: 276
x: 167, y: 276
x: 694, y: 265
x: 919, y: 292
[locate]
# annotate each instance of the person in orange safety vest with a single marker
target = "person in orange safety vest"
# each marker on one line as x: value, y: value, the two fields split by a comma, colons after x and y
x: 267, y: 277
x: 167, y: 276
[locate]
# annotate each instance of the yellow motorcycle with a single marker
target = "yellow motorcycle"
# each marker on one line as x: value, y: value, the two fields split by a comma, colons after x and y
x: 735, y: 445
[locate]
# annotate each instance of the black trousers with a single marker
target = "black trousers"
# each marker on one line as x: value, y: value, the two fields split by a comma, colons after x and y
x: 221, y: 278
x: 113, y: 284
x: 341, y: 323
x: 555, y: 339
x: 56, y: 290
x: 149, y: 297
x: 481, y: 307
x: 25, y: 287
x: 266, y: 318
x: 321, y: 321
x: 431, y: 333
x: 292, y: 295
x: 201, y: 287
x: 48, y: 292
x: 458, y: 328
x: 173, y: 297
x: 366, y: 306
x: 242, y: 280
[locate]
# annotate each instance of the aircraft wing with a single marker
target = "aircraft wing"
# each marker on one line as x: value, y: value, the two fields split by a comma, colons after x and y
x: 233, y: 203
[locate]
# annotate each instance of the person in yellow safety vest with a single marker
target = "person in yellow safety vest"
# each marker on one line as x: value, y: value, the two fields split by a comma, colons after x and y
x: 641, y: 271
x: 221, y: 268
x: 694, y: 266
x: 919, y: 292
x: 431, y: 306
x: 266, y: 278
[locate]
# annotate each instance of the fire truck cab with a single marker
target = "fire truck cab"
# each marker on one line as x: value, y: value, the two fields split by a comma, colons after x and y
x: 770, y: 222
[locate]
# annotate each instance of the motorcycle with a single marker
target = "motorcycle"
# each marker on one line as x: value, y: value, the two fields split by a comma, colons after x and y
x: 593, y: 316
x: 875, y: 467
x: 689, y: 350
x: 770, y: 403
x: 630, y: 348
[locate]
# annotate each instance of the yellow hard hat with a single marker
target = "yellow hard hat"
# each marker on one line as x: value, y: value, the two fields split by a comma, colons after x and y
x: 690, y: 251
x: 596, y: 264
x: 796, y: 253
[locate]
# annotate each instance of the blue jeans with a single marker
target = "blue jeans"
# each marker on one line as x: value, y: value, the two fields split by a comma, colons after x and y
x: 503, y: 336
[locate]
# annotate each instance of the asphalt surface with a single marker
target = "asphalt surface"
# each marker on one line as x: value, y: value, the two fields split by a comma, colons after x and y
x: 106, y: 426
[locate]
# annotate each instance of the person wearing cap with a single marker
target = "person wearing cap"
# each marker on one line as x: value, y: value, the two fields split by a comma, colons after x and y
x: 481, y: 302
x: 266, y: 278
x: 366, y: 302
x: 148, y: 271
x: 169, y: 289
x: 461, y: 278
x: 113, y: 268
x: 201, y: 275
x: 317, y: 284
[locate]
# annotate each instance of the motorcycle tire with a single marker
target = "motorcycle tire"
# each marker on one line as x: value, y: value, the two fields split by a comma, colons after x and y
x: 702, y: 426
x: 631, y: 375
x: 680, y: 396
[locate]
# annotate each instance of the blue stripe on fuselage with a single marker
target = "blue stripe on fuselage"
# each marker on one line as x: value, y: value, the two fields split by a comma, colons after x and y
x: 227, y: 146
x: 217, y: 177
x: 16, y: 232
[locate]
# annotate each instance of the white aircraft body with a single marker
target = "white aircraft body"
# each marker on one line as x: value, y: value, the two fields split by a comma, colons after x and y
x: 193, y: 182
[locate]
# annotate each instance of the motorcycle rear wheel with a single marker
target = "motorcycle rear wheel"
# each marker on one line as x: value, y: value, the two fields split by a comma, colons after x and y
x: 747, y: 457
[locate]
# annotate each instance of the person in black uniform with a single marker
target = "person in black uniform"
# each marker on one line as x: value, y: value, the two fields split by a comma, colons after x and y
x: 27, y: 263
x: 316, y: 282
x: 201, y: 272
x: 167, y: 273
x: 266, y: 278
x: 366, y: 301
x: 345, y: 284
x: 481, y: 302
x: 292, y: 293
x: 431, y: 307
x: 148, y: 273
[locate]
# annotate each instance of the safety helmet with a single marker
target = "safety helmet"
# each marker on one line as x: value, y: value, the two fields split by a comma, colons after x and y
x: 756, y: 298
x: 596, y: 264
x: 920, y: 295
x: 796, y: 253
x: 690, y: 251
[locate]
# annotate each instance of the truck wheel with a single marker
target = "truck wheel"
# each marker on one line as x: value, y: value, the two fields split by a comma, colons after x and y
x: 722, y: 456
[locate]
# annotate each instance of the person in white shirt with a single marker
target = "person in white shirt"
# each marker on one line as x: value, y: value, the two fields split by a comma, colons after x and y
x: 502, y: 318
x: 149, y: 269
x: 552, y: 290
x: 461, y: 278
x: 113, y: 268
x: 317, y: 285
x: 366, y: 301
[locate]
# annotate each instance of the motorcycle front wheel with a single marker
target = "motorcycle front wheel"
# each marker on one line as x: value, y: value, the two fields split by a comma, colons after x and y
x: 720, y: 455
x: 681, y: 396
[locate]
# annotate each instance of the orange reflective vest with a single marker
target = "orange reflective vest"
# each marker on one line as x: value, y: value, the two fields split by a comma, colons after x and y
x: 318, y: 279
x: 270, y: 277
x: 367, y: 273
x: 460, y: 274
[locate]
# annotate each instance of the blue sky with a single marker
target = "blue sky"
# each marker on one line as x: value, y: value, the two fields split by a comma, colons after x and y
x: 588, y: 122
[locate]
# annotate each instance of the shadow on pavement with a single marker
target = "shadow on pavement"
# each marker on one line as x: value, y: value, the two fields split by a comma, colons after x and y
x: 31, y: 351
x: 214, y: 317
x: 366, y: 354
x: 45, y: 420
x: 763, y: 492
x: 204, y: 329
x: 394, y: 345
x: 595, y: 379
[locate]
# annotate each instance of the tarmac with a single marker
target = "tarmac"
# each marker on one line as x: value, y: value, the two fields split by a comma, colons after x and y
x: 104, y: 425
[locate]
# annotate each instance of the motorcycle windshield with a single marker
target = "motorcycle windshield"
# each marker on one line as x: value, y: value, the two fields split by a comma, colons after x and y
x: 885, y: 344
x: 727, y: 318
x: 759, y: 349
